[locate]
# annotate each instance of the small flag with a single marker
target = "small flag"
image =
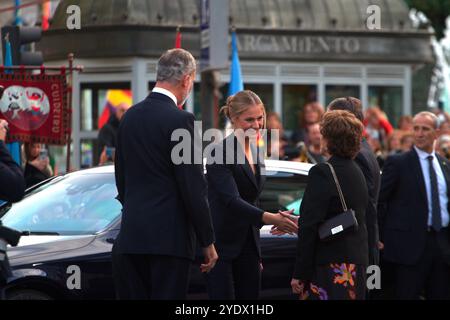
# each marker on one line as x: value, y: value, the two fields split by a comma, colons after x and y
x: 113, y: 99
x: 178, y: 38
x: 236, y: 83
x: 46, y: 12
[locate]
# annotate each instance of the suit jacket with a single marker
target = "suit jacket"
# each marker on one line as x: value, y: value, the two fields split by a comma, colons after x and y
x: 368, y: 164
x: 403, y: 207
x: 165, y: 205
x: 12, y: 182
x: 233, y: 192
x: 320, y: 202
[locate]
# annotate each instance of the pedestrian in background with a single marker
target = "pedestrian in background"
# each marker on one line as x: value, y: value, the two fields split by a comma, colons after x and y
x: 37, y: 164
x: 414, y: 215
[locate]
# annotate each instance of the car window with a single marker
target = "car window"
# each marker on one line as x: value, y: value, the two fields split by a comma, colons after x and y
x: 69, y: 205
x: 283, y: 191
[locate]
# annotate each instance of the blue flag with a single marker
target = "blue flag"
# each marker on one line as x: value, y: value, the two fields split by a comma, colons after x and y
x: 14, y: 147
x: 236, y: 83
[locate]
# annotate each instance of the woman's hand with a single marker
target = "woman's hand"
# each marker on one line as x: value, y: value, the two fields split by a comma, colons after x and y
x: 40, y: 163
x: 282, y: 223
x: 287, y: 214
x: 297, y: 286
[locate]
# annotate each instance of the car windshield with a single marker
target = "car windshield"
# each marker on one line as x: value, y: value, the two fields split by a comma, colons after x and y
x: 283, y: 191
x: 70, y: 205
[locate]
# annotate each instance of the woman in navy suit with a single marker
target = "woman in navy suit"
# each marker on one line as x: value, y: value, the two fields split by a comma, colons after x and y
x: 235, y: 173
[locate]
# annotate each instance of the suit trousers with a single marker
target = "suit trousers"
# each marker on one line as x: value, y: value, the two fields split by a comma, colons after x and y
x: 236, y: 279
x: 150, y: 277
x: 429, y: 278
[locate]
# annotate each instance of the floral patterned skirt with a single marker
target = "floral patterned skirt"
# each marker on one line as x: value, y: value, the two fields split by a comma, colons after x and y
x: 337, y: 281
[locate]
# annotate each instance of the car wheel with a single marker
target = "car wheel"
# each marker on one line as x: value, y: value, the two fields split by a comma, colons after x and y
x: 27, y: 295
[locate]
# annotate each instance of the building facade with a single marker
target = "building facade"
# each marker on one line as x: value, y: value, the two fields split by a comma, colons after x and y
x: 291, y: 51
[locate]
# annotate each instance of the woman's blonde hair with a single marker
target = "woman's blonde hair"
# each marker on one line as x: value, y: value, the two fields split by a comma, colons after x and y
x: 240, y: 102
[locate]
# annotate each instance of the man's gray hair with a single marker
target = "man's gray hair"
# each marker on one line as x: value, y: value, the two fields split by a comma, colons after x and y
x: 174, y: 64
x: 431, y: 115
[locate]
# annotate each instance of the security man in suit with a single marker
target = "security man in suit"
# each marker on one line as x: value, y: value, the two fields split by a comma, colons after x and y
x: 414, y: 215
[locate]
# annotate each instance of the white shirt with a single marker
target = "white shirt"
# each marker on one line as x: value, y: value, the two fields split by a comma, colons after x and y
x: 442, y: 185
x: 166, y: 93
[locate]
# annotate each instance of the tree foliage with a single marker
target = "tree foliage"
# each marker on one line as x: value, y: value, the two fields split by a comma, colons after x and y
x: 436, y: 11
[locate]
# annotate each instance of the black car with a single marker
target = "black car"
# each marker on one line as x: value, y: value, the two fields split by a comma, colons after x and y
x: 69, y: 224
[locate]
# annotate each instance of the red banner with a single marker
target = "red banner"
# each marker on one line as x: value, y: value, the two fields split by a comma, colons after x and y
x: 35, y: 107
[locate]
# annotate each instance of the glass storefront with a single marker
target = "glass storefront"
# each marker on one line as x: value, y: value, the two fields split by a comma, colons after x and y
x: 389, y: 99
x: 295, y: 96
x: 336, y: 91
x: 95, y: 99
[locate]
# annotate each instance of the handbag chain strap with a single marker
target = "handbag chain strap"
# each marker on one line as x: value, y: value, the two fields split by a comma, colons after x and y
x: 338, y: 186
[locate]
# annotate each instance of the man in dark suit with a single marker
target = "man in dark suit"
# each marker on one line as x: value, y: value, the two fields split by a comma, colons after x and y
x: 414, y: 215
x: 12, y: 182
x: 369, y: 166
x: 165, y: 206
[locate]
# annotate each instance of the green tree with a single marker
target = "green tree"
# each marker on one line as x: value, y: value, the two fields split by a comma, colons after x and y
x: 436, y: 11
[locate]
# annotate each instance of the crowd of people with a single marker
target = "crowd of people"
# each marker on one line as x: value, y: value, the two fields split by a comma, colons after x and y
x: 383, y: 137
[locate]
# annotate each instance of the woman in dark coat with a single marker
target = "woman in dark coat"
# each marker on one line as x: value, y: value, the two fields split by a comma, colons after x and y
x: 335, y: 268
x: 235, y: 173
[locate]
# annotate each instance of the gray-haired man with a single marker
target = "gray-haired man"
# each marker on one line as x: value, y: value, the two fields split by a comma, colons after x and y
x: 165, y: 206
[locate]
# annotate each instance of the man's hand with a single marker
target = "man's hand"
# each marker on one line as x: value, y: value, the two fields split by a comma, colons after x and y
x: 210, y: 258
x: 3, y: 129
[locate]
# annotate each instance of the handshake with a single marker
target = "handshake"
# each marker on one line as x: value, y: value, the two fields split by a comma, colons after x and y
x: 283, y: 222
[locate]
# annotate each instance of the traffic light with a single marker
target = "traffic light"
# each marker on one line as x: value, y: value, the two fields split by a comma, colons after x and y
x: 19, y: 36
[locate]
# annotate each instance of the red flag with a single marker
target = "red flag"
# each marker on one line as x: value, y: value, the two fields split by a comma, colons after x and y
x: 46, y: 11
x: 178, y: 39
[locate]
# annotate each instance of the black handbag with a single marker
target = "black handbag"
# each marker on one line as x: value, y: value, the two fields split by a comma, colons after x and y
x: 345, y: 221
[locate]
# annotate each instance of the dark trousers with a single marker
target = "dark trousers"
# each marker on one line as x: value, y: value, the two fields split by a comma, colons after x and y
x: 236, y: 279
x: 155, y: 277
x: 429, y: 277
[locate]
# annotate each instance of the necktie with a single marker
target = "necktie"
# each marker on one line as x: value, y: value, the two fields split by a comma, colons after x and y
x: 435, y: 205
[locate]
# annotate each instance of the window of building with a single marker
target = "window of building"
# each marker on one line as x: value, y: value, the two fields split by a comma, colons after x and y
x: 337, y: 91
x: 295, y: 96
x: 93, y: 105
x: 389, y: 99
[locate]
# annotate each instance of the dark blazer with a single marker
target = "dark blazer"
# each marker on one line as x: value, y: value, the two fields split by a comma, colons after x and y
x: 321, y: 202
x: 33, y: 175
x: 368, y: 164
x: 165, y: 205
x: 403, y: 207
x: 12, y: 182
x: 233, y: 192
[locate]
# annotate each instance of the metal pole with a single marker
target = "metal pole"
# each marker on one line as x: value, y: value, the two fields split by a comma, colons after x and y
x: 69, y: 101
